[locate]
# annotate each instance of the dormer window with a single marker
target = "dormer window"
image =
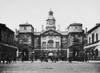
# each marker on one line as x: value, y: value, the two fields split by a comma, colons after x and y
x: 24, y: 27
x: 76, y: 27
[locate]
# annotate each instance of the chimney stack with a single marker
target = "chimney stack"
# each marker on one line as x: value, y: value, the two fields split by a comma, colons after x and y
x: 58, y: 27
x: 85, y: 30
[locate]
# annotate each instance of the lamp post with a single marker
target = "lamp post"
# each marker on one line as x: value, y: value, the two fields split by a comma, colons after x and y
x: 0, y: 53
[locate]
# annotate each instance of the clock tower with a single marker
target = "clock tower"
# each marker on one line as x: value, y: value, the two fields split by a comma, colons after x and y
x: 50, y: 22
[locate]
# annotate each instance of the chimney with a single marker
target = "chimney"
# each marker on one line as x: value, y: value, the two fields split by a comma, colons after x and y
x: 85, y: 30
x: 35, y: 30
x: 42, y: 27
x: 16, y: 31
x: 97, y: 24
x: 58, y: 27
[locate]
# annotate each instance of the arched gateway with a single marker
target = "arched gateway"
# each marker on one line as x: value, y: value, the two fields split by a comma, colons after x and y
x: 25, y: 55
x: 75, y: 51
x: 50, y: 53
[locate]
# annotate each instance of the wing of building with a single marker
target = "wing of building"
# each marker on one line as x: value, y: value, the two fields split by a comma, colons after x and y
x: 93, y: 42
x: 8, y: 47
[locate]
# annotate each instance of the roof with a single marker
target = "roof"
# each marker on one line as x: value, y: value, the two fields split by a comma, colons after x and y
x: 3, y: 26
x: 26, y: 24
x: 92, y: 29
x: 50, y: 16
x: 50, y: 32
x: 75, y: 24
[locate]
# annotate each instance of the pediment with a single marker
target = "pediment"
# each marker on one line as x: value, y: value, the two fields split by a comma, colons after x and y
x: 50, y: 33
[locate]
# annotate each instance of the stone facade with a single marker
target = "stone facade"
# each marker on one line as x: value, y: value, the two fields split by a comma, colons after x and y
x: 7, y: 43
x: 50, y: 39
x: 25, y: 38
x: 75, y: 39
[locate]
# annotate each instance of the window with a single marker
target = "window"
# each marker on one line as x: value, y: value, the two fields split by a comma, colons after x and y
x: 44, y: 37
x: 89, y: 39
x: 57, y: 44
x: 92, y: 37
x: 50, y: 37
x: 24, y: 27
x: 96, y: 36
x: 50, y: 43
x: 79, y: 35
x: 43, y: 44
x: 76, y: 40
x: 76, y: 27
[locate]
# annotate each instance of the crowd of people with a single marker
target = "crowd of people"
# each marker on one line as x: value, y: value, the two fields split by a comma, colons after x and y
x: 7, y: 58
x: 47, y: 58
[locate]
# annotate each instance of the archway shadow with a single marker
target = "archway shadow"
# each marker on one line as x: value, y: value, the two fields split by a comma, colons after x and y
x: 25, y: 55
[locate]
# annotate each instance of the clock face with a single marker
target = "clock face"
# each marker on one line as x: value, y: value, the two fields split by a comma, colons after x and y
x: 50, y: 22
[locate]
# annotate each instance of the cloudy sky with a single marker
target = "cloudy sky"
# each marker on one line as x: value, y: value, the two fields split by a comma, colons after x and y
x: 35, y: 12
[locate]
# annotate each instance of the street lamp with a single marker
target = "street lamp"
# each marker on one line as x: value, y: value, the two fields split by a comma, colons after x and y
x: 0, y: 51
x: 0, y: 48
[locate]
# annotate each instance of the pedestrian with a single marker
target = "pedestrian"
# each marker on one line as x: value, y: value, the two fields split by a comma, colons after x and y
x: 3, y: 57
x: 70, y: 59
x: 46, y: 58
x: 14, y: 59
x: 32, y: 58
x: 23, y: 57
x: 0, y: 60
x: 41, y: 58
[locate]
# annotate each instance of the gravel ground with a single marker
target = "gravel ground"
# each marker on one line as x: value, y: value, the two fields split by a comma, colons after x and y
x: 49, y: 67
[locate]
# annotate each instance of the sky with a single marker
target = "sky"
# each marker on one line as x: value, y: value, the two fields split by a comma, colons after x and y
x: 35, y: 12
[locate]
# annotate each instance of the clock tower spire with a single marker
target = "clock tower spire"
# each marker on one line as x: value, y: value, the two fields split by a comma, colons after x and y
x: 50, y: 22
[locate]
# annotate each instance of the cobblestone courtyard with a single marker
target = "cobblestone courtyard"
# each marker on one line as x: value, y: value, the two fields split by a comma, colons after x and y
x: 49, y: 67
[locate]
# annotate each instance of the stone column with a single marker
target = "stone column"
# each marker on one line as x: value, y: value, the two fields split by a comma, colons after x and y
x: 68, y: 53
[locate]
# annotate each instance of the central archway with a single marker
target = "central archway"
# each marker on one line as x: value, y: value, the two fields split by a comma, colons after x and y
x: 50, y: 53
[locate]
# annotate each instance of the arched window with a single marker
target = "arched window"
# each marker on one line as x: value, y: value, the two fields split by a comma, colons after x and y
x: 50, y: 43
x: 96, y: 36
x: 44, y: 45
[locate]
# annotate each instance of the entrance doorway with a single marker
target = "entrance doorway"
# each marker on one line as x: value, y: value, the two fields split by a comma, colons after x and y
x: 75, y: 52
x: 50, y: 54
x: 25, y: 55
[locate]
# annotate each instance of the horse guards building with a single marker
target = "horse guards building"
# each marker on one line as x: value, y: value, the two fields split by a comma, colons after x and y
x: 51, y: 41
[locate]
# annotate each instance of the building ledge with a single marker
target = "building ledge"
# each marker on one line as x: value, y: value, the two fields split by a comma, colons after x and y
x: 92, y: 45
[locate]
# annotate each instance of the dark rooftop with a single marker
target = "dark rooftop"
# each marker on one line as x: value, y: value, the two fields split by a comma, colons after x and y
x: 92, y: 29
